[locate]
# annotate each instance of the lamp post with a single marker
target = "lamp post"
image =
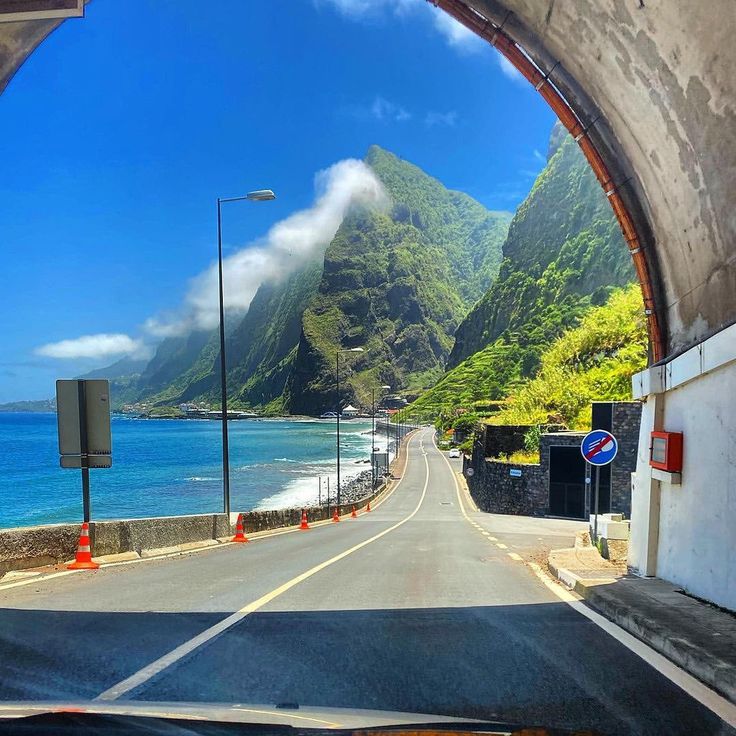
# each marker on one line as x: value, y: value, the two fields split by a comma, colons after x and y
x: 337, y: 377
x: 260, y: 195
x: 373, y: 433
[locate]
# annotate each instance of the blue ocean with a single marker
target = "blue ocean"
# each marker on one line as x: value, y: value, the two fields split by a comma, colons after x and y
x: 168, y: 466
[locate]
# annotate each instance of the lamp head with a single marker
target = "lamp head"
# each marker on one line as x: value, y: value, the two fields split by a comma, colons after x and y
x: 260, y: 195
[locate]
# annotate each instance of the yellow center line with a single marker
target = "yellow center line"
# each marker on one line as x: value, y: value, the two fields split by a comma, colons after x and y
x: 167, y: 660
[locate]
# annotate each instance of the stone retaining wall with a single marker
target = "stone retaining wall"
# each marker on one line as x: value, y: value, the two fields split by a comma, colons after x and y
x: 496, y: 491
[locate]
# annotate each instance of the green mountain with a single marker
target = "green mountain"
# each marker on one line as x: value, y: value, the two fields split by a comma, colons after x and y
x: 260, y: 349
x: 40, y: 405
x: 396, y: 284
x: 564, y: 253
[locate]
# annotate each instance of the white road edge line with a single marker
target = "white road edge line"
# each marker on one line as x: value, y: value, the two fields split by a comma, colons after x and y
x: 714, y: 702
x: 162, y: 663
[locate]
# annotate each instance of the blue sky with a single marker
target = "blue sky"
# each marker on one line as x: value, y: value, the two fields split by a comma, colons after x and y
x: 118, y: 134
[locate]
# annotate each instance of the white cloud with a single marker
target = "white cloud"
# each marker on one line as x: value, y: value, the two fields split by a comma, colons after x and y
x: 509, y: 69
x: 362, y: 8
x: 384, y: 110
x: 94, y: 346
x: 540, y: 156
x: 456, y: 34
x: 441, y: 118
x: 286, y: 246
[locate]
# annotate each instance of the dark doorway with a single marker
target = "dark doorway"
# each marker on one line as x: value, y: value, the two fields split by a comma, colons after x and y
x: 566, y: 482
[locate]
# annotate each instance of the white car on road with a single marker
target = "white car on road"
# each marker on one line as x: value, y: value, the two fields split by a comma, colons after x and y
x: 454, y: 452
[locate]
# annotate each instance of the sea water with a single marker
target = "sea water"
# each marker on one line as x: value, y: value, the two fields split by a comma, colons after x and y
x: 168, y: 466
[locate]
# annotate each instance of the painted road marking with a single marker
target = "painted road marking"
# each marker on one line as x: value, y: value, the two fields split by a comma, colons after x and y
x: 724, y: 709
x: 501, y: 545
x: 492, y: 539
x: 486, y: 534
x: 514, y: 556
x: 154, y: 668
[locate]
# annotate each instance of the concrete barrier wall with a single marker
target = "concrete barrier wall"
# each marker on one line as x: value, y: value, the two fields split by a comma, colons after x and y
x: 36, y: 546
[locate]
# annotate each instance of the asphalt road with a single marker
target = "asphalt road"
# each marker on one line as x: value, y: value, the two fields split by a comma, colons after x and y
x: 408, y: 608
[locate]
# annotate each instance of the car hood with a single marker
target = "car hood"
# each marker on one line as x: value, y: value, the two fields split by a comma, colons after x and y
x: 157, y: 717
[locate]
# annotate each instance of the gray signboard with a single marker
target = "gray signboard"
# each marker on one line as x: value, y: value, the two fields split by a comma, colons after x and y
x: 83, y: 418
x: 73, y: 418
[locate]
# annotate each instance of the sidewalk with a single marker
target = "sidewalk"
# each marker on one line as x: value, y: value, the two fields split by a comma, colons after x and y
x: 696, y: 636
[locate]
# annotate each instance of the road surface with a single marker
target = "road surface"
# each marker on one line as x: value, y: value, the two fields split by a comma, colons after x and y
x: 419, y: 606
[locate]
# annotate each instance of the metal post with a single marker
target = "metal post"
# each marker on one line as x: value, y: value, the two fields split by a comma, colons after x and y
x: 319, y: 491
x: 337, y: 375
x: 328, y: 494
x: 83, y: 449
x: 396, y: 436
x: 595, y: 520
x: 373, y: 437
x: 223, y: 372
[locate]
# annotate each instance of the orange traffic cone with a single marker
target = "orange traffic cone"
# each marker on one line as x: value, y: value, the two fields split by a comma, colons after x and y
x: 304, y: 525
x: 368, y: 507
x: 335, y: 516
x: 83, y: 558
x: 353, y: 514
x: 239, y: 534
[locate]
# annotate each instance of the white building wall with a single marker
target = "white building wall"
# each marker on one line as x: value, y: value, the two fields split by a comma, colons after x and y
x: 687, y: 533
x: 697, y: 524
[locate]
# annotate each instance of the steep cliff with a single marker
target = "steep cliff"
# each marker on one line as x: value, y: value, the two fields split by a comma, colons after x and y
x: 396, y: 284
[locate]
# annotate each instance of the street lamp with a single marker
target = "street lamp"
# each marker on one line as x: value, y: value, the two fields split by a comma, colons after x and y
x: 337, y: 376
x: 373, y: 433
x: 259, y: 195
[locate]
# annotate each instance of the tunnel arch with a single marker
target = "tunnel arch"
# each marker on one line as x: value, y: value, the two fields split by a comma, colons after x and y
x: 645, y: 88
x: 586, y: 125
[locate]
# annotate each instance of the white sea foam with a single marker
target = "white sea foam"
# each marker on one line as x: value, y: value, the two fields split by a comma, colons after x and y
x: 304, y: 492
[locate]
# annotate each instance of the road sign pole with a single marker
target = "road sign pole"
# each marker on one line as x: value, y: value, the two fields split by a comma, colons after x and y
x: 595, y: 520
x: 83, y: 447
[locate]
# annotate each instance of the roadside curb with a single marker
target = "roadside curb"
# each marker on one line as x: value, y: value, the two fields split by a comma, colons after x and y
x: 601, y: 595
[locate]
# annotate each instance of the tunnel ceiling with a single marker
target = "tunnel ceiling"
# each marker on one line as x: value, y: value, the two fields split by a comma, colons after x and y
x: 655, y: 81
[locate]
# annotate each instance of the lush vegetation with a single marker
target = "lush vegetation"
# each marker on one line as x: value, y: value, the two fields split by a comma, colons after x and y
x: 564, y: 253
x: 592, y: 362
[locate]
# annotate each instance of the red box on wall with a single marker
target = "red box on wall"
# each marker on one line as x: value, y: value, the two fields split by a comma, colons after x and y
x: 665, y: 451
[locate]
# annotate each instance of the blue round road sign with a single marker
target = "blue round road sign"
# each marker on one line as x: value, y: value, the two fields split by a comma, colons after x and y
x: 599, y: 447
